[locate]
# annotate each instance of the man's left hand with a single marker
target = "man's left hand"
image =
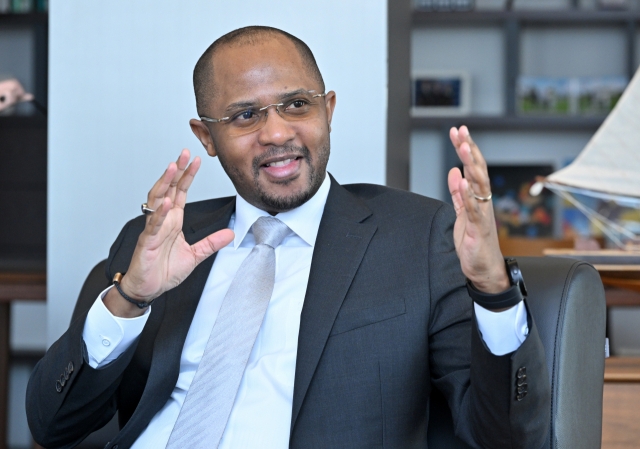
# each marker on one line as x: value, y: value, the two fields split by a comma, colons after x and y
x: 475, y: 234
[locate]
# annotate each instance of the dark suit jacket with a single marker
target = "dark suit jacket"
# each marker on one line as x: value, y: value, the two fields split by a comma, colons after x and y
x: 386, y: 318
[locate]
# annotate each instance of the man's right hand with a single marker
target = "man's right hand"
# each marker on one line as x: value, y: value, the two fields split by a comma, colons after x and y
x: 162, y: 258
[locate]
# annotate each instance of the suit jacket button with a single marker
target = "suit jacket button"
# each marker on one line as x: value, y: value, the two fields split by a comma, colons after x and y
x: 520, y: 397
x: 522, y: 381
x: 66, y: 374
x: 58, y: 386
x: 522, y: 372
x: 70, y: 367
x: 522, y: 389
x: 62, y: 380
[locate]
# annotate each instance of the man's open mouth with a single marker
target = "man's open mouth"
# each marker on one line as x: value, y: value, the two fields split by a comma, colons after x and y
x: 281, y: 162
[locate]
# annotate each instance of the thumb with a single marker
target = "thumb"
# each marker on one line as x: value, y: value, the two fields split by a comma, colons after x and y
x: 211, y: 244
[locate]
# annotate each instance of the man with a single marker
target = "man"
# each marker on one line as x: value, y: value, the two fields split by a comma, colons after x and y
x: 366, y: 307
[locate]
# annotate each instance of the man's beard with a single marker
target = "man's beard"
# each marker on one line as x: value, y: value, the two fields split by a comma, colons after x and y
x: 281, y: 203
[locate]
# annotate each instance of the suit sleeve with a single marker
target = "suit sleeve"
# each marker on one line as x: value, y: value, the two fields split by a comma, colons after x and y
x: 496, y: 401
x: 66, y: 398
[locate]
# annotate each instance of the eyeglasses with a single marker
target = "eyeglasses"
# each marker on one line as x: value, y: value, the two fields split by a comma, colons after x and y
x: 301, y: 106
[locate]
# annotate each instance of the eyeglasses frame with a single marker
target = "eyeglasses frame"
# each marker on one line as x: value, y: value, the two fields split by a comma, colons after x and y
x: 276, y: 105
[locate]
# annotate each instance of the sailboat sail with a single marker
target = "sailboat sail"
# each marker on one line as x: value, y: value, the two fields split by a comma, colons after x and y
x: 609, y: 166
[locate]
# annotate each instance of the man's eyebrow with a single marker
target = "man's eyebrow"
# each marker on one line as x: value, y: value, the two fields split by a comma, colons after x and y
x: 293, y: 93
x: 246, y: 104
x: 241, y: 105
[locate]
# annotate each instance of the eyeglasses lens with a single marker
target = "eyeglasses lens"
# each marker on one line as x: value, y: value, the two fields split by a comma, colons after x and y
x: 300, y: 107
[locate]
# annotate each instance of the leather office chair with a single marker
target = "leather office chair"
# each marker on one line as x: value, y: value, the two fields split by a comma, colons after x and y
x: 566, y: 299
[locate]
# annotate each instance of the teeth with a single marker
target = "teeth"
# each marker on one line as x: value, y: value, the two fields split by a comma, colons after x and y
x: 279, y: 163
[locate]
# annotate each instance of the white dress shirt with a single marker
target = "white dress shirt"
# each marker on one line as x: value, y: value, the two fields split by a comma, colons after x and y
x: 261, y: 414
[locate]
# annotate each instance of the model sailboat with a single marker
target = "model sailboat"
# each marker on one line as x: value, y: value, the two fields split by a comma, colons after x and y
x: 608, y: 168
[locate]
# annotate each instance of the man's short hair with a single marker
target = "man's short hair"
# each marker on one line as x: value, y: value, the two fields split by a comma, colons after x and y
x: 203, y: 83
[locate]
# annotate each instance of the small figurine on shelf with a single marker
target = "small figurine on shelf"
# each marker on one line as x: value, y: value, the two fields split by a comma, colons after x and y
x: 12, y: 93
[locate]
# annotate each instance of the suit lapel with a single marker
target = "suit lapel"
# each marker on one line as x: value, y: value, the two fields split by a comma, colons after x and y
x: 340, y: 246
x: 180, y: 306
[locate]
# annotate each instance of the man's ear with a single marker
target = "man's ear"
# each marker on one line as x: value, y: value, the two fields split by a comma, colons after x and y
x: 330, y: 102
x: 202, y: 133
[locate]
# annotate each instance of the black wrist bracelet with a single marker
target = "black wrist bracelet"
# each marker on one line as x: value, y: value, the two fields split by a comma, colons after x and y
x: 506, y: 299
x: 140, y: 304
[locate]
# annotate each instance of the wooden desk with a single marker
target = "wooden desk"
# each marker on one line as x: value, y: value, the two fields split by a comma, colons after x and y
x: 13, y: 286
x: 620, y: 423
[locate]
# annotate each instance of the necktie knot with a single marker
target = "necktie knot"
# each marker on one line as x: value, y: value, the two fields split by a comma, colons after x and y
x: 269, y: 231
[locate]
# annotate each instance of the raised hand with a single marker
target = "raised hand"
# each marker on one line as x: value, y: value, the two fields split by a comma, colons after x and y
x: 475, y: 234
x: 162, y: 258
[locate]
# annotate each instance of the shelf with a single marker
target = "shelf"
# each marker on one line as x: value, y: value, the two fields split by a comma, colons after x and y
x: 23, y: 121
x: 32, y: 18
x: 510, y: 123
x: 546, y: 17
x: 23, y: 284
x: 622, y: 369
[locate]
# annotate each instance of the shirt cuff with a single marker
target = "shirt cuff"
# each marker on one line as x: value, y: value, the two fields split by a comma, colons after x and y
x: 503, y: 332
x: 107, y: 336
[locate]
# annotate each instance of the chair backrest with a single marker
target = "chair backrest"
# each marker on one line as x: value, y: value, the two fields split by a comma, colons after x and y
x: 566, y: 300
x: 95, y: 282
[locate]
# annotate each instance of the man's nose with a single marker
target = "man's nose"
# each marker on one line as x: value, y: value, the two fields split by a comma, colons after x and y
x: 276, y: 130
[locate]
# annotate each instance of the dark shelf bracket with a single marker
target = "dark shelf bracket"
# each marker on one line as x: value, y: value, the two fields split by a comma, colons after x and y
x: 511, y: 63
x: 631, y: 48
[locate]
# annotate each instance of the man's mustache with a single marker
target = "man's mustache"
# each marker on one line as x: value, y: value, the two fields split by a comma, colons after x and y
x: 287, y: 150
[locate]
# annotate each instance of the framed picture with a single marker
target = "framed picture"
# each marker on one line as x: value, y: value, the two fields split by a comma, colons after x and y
x: 440, y: 93
x: 518, y: 213
x: 569, y: 96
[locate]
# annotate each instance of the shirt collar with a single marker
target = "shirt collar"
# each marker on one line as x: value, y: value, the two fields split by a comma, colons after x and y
x: 303, y: 220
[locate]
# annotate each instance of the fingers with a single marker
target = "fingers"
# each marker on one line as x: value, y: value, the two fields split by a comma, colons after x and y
x: 453, y: 180
x: 471, y: 206
x: 177, y: 178
x: 159, y: 190
x: 181, y: 164
x: 184, y: 183
x: 156, y: 219
x: 464, y: 202
x: 212, y: 243
x: 475, y: 167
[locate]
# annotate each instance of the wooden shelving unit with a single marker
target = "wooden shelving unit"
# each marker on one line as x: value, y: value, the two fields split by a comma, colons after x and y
x: 23, y: 193
x: 403, y: 18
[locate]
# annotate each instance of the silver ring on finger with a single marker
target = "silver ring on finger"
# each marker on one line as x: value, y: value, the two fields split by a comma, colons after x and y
x: 145, y: 209
x: 483, y: 199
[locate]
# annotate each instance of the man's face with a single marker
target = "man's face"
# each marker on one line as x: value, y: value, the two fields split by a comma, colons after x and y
x: 282, y: 164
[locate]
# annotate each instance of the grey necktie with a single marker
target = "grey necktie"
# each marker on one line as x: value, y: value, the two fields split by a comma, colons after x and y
x: 206, y: 408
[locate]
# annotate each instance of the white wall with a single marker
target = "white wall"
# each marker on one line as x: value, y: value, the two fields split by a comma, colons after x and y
x: 121, y: 97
